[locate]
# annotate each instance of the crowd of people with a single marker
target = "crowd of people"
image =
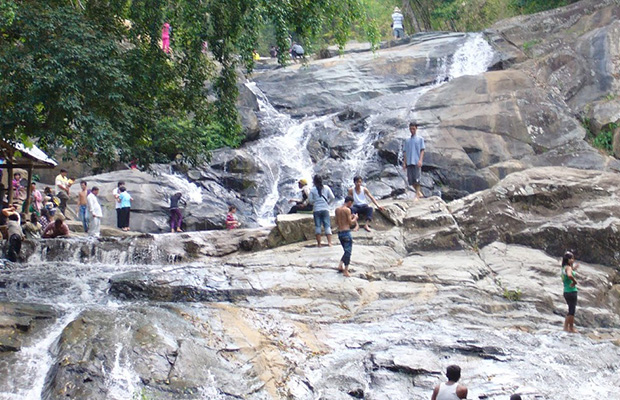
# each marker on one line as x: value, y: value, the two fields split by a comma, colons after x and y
x: 46, y: 213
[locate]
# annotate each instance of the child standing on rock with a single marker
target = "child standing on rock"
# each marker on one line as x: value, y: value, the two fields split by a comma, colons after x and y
x: 231, y: 219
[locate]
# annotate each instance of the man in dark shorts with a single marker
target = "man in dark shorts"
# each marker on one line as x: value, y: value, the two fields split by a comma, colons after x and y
x: 413, y: 156
x: 344, y: 220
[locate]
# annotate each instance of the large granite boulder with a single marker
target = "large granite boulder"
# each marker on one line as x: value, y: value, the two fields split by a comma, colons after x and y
x: 573, y: 51
x: 553, y: 209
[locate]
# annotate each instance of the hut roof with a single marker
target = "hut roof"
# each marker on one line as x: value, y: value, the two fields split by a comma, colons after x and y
x: 16, y: 155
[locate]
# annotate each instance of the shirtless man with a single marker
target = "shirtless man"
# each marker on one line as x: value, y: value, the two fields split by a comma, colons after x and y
x: 344, y: 220
x: 82, y: 205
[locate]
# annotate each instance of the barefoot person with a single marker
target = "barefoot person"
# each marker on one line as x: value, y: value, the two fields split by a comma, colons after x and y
x: 413, y: 156
x: 82, y: 205
x: 360, y: 195
x: 320, y: 197
x: 344, y: 219
x: 570, y: 289
x: 450, y: 390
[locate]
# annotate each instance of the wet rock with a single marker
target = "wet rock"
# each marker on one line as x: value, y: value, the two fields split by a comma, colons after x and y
x: 19, y: 321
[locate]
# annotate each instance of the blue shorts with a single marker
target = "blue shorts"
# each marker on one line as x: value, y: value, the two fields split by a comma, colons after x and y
x: 321, y: 218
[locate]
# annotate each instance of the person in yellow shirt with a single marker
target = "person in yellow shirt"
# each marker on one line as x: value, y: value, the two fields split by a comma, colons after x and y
x: 63, y: 184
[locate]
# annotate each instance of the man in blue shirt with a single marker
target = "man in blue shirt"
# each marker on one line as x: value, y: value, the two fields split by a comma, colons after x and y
x: 413, y: 156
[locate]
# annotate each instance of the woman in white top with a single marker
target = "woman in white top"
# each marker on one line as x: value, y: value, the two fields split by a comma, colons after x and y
x: 450, y: 390
x: 320, y: 197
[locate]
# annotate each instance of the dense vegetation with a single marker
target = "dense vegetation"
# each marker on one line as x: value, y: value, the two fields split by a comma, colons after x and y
x: 90, y: 77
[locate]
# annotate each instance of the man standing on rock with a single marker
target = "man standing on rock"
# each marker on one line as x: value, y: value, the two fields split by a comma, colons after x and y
x: 94, y: 210
x: 62, y: 188
x: 413, y: 156
x: 344, y: 220
x: 82, y: 204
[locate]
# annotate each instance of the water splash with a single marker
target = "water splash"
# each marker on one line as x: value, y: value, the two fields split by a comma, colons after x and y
x: 190, y: 190
x: 473, y: 58
x: 122, y: 380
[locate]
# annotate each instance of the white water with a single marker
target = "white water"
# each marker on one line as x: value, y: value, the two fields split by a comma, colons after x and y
x: 191, y: 192
x: 283, y: 154
x: 282, y: 149
x: 72, y: 286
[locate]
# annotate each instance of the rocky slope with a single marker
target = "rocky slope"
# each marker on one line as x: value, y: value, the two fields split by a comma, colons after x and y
x: 258, y: 314
x: 545, y: 80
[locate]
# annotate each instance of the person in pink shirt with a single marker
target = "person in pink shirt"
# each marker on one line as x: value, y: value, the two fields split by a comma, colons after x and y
x: 165, y: 38
x: 231, y: 219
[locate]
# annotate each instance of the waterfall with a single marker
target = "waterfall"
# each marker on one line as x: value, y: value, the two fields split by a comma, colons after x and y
x: 282, y: 148
x: 282, y: 152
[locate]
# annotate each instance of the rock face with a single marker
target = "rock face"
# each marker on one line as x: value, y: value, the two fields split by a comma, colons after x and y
x: 519, y: 96
x: 258, y: 314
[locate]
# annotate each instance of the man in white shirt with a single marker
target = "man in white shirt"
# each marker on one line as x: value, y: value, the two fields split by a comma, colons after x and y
x: 94, y: 210
x: 397, y: 24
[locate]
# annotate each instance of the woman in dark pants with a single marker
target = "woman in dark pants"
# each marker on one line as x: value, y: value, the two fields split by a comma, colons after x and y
x: 569, y: 280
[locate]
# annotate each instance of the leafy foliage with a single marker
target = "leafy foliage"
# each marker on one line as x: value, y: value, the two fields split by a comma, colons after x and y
x: 90, y: 75
x: 470, y: 15
x: 602, y: 140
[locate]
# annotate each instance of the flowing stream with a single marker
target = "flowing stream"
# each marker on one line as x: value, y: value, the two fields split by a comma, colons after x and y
x: 282, y: 149
x: 71, y: 286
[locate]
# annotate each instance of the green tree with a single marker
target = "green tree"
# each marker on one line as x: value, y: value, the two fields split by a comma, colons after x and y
x: 90, y: 75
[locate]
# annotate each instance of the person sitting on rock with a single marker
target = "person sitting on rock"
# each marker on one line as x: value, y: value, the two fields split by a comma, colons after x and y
x: 301, y: 204
x: 231, y: 219
x: 56, y: 229
x: 360, y: 195
x: 450, y: 390
x: 32, y: 229
x: 297, y: 51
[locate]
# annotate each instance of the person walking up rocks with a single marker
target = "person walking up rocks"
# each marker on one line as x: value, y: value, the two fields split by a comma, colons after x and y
x: 344, y: 220
x: 413, y: 157
x: 397, y: 24
x: 176, y: 217
x: 63, y: 184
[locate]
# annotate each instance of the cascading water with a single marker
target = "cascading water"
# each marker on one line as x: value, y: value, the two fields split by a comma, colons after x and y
x: 282, y: 149
x: 71, y: 286
x: 282, y: 152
